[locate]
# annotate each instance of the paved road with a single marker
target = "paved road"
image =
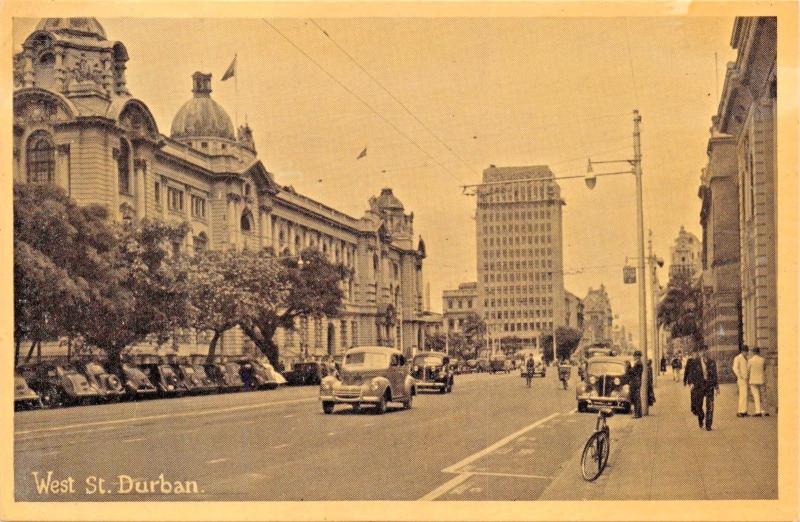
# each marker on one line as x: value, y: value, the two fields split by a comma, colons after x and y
x: 491, y: 439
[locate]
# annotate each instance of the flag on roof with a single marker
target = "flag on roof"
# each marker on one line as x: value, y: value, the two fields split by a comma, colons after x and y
x: 362, y: 154
x: 231, y: 71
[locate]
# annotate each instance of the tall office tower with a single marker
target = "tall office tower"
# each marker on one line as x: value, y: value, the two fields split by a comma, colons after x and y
x: 520, y: 256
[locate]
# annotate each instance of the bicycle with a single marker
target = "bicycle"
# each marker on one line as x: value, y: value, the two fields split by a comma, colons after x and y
x: 529, y: 377
x: 595, y: 453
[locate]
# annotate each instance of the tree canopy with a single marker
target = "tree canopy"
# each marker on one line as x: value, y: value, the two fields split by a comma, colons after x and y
x: 681, y: 309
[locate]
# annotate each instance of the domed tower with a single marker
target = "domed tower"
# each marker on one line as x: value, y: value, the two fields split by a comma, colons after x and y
x: 390, y: 209
x: 202, y: 123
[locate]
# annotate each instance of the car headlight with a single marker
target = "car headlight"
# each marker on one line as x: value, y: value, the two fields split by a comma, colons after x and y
x: 374, y: 385
x: 592, y: 379
x: 626, y: 389
x: 416, y: 368
x: 170, y: 387
x: 327, y: 385
x: 617, y: 381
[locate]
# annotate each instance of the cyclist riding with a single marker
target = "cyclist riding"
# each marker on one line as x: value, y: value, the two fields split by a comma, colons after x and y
x: 564, y: 371
x: 529, y: 367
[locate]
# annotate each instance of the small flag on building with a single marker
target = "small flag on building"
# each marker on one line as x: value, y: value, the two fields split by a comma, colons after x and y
x: 231, y: 71
x: 629, y: 275
x: 362, y: 154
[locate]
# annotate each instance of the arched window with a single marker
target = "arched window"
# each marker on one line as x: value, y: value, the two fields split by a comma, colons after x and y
x: 247, y: 221
x: 123, y: 167
x: 41, y: 158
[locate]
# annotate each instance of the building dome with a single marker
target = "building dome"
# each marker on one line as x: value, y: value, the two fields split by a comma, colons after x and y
x: 81, y: 26
x: 202, y: 117
x: 388, y: 201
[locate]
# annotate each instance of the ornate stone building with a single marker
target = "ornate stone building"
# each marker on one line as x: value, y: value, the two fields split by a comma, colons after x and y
x: 686, y: 256
x: 77, y: 125
x: 597, y: 317
x: 747, y: 114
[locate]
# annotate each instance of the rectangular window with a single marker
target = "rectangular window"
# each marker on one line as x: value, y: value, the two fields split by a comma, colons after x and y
x: 158, y: 192
x: 198, y: 207
x: 175, y: 199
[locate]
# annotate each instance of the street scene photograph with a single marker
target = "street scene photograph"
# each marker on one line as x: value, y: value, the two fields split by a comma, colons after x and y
x: 422, y: 259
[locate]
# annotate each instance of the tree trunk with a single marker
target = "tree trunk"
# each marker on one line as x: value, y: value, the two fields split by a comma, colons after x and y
x: 30, y: 352
x: 212, y: 347
x: 39, y: 351
x: 17, y: 343
x: 262, y: 338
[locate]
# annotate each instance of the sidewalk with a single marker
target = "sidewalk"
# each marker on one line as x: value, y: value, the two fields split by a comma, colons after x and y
x: 666, y: 456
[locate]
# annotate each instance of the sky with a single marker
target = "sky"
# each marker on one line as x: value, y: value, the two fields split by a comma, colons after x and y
x: 465, y: 93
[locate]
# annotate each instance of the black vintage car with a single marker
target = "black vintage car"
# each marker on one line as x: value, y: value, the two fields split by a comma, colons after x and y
x: 226, y: 378
x: 605, y: 384
x: 304, y: 373
x: 194, y: 378
x: 432, y: 371
x: 24, y: 397
x: 262, y: 373
x: 165, y: 379
x: 60, y: 385
x: 137, y: 384
x: 108, y: 385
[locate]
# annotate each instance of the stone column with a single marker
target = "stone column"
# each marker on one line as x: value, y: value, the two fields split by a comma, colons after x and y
x: 264, y: 226
x: 27, y: 69
x: 140, y: 180
x: 62, y: 167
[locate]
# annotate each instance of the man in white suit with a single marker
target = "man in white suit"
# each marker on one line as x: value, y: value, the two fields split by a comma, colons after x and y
x: 740, y: 371
x: 755, y: 377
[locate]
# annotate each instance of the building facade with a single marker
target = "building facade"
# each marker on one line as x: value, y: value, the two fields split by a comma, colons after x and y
x: 686, y: 256
x: 77, y: 125
x: 598, y: 320
x: 747, y: 113
x: 458, y: 304
x: 519, y: 253
x: 719, y: 217
x: 573, y: 311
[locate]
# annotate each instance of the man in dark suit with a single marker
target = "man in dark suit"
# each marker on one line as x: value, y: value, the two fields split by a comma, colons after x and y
x: 701, y: 373
x: 635, y: 383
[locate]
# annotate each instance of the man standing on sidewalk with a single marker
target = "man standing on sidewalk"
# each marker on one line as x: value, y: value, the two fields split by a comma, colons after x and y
x: 755, y: 371
x: 740, y: 370
x: 635, y: 383
x: 701, y: 373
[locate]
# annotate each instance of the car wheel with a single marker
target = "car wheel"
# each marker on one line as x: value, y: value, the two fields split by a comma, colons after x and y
x: 581, y: 407
x: 51, y: 398
x: 408, y: 402
x: 327, y: 407
x: 380, y: 407
x: 443, y: 389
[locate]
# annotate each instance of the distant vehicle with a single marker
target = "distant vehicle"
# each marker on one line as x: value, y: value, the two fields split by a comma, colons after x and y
x: 108, y: 385
x: 605, y: 384
x: 137, y: 384
x: 497, y: 363
x: 218, y: 372
x: 432, y: 371
x: 194, y: 378
x: 305, y: 373
x: 264, y: 375
x: 61, y: 385
x: 374, y: 375
x: 164, y: 378
x: 24, y: 397
x: 484, y: 365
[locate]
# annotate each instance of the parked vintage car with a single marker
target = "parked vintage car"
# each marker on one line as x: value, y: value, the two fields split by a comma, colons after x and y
x: 164, y: 377
x: 372, y: 375
x: 264, y: 375
x: 539, y: 367
x: 60, y: 385
x: 432, y: 371
x: 605, y: 384
x: 483, y: 365
x: 225, y: 376
x: 24, y: 397
x: 304, y: 373
x: 137, y: 385
x: 194, y: 378
x: 108, y: 385
x: 498, y: 363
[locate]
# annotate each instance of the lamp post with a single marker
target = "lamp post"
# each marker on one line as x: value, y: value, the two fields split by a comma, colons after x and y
x: 636, y: 164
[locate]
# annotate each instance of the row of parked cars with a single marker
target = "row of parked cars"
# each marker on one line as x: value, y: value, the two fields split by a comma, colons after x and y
x: 54, y: 384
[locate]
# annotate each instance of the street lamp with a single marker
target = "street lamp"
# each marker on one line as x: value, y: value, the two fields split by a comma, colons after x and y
x: 636, y: 170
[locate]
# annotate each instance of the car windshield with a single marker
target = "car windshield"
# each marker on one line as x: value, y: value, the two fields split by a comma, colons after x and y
x: 167, y: 371
x: 607, y: 368
x: 188, y: 370
x: 429, y: 360
x: 366, y: 360
x: 94, y: 368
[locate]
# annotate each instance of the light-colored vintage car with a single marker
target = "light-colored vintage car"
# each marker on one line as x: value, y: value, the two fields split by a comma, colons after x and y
x: 374, y: 375
x: 605, y: 384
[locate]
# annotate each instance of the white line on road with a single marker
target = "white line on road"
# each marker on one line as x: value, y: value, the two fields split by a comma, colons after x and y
x: 517, y: 475
x: 500, y: 443
x: 195, y: 413
x: 280, y: 446
x: 447, y: 486
x: 137, y: 439
x: 215, y: 461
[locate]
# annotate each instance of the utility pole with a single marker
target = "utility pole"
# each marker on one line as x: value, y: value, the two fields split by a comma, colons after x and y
x: 652, y: 262
x: 637, y: 172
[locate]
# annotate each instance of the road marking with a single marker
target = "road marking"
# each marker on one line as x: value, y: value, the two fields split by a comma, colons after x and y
x: 215, y: 461
x: 138, y: 439
x: 279, y: 446
x: 500, y: 443
x: 288, y: 416
x: 515, y: 475
x: 447, y: 486
x: 25, y: 439
x: 195, y: 413
x: 331, y: 434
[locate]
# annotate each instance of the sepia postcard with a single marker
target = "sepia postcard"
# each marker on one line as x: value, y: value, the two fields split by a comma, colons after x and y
x: 399, y: 261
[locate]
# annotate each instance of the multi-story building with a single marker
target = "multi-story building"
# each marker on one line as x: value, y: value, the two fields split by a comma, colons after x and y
x: 597, y: 317
x: 519, y: 253
x: 747, y: 113
x: 719, y: 216
x: 573, y: 311
x: 77, y: 125
x: 458, y: 304
x: 686, y: 256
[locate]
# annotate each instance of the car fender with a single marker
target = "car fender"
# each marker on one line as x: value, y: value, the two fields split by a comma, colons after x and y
x: 383, y: 385
x: 409, y: 388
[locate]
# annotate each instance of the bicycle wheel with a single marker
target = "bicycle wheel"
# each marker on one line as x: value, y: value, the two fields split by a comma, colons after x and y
x: 592, y: 461
x: 605, y: 447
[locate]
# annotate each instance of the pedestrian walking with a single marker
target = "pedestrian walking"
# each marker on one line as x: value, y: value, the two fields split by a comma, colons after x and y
x: 635, y: 373
x: 701, y: 374
x: 663, y: 364
x: 676, y: 368
x: 741, y: 371
x: 755, y: 377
